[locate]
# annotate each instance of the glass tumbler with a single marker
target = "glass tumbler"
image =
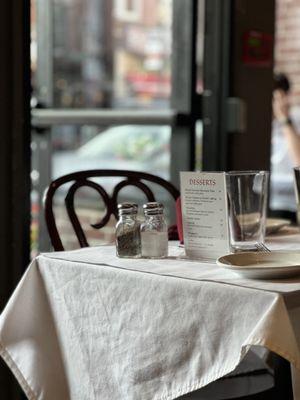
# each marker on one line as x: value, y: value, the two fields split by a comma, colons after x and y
x: 247, y: 193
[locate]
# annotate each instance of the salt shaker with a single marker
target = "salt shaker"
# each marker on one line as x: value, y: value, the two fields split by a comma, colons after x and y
x: 154, y: 231
x: 128, y: 239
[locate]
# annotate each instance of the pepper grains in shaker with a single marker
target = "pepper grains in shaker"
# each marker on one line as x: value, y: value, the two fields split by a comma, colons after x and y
x: 128, y: 238
x: 154, y: 231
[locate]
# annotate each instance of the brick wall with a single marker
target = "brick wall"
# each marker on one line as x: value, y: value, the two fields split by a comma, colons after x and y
x: 287, y: 43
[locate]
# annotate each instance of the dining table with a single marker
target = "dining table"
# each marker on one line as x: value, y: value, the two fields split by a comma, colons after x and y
x: 85, y: 324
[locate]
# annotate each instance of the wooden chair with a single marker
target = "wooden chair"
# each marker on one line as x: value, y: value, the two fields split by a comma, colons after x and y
x: 80, y: 179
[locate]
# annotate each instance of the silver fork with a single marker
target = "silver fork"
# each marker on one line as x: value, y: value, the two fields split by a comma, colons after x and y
x: 262, y: 247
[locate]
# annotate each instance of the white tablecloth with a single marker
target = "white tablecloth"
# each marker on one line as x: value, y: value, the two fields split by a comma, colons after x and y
x: 87, y: 325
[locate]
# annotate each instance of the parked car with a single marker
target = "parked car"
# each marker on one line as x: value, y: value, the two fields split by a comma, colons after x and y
x: 132, y: 147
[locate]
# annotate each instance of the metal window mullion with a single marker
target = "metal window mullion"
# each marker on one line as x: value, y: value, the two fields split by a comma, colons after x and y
x: 216, y: 83
x: 44, y: 84
x: 45, y: 118
x: 183, y: 98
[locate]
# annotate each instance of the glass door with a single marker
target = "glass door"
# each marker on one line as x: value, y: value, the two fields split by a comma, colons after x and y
x: 116, y: 85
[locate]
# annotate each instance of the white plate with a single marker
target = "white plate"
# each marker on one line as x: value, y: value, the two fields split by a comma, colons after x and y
x: 259, y: 265
x: 274, y: 224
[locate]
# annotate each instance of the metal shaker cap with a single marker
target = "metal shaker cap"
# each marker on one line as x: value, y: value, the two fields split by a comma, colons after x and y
x: 153, y: 208
x: 127, y: 208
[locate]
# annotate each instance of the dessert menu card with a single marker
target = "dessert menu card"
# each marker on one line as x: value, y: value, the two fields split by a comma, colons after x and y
x: 204, y: 214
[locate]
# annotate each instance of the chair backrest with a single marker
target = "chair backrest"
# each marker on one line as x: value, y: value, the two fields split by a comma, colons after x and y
x: 80, y: 179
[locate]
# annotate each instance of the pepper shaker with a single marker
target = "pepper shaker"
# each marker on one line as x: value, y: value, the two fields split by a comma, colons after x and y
x: 128, y: 238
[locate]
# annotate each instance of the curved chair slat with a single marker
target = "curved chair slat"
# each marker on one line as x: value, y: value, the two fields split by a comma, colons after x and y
x: 69, y: 201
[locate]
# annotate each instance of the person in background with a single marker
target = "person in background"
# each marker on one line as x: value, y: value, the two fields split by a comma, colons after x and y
x: 285, y: 150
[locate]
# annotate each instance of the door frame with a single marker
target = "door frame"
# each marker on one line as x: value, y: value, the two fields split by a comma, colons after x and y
x: 14, y: 157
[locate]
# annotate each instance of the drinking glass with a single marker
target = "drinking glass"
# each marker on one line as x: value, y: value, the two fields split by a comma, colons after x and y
x: 247, y: 203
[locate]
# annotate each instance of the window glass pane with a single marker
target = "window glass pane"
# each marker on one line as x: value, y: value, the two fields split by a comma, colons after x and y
x: 112, y: 53
x: 75, y: 148
x: 127, y: 147
x: 99, y: 54
x: 287, y: 82
x: 103, y: 54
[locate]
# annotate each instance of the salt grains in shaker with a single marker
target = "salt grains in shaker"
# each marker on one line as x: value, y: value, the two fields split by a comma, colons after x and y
x: 154, y: 232
x: 128, y: 239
